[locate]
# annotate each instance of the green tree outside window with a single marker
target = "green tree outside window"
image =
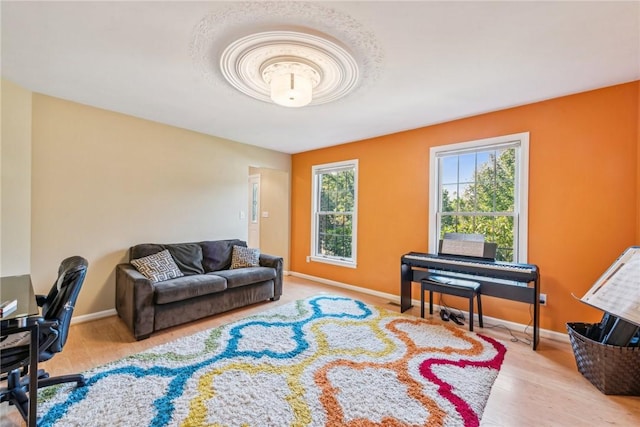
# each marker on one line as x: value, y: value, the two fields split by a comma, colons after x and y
x: 335, y: 213
x: 477, y: 196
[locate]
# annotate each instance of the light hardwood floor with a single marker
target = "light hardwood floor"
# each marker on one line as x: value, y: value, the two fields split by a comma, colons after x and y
x: 534, y: 388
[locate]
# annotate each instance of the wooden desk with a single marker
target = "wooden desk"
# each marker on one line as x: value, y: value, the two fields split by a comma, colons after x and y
x: 24, y: 318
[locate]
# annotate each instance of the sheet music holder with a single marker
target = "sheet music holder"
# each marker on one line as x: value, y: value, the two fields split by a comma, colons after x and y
x: 474, y: 237
x: 471, y: 245
x: 617, y: 292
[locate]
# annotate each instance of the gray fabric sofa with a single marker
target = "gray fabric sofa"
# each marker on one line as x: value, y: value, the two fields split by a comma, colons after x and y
x: 208, y: 286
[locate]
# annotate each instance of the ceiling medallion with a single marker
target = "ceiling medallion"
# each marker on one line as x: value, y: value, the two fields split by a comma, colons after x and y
x: 290, y: 68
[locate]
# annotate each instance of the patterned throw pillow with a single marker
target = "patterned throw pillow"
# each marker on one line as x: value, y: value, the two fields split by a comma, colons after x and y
x: 245, y: 257
x: 157, y: 267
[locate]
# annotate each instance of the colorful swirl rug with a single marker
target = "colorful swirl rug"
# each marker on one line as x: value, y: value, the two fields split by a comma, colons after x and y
x: 323, y: 361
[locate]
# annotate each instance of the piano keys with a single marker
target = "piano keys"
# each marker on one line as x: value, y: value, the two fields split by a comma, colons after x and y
x: 512, y: 281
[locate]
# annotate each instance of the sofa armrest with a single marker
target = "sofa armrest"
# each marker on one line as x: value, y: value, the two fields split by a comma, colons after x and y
x: 274, y: 262
x: 134, y: 300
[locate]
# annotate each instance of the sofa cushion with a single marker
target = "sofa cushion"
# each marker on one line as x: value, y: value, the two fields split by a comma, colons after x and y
x: 246, y: 276
x: 216, y: 254
x: 144, y: 249
x: 245, y: 257
x: 157, y: 267
x: 187, y: 287
x: 188, y: 256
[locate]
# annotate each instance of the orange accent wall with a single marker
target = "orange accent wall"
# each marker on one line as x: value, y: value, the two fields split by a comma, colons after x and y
x: 583, y: 197
x: 638, y: 163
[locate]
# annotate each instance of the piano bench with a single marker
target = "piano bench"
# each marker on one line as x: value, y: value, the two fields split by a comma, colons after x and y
x: 450, y: 286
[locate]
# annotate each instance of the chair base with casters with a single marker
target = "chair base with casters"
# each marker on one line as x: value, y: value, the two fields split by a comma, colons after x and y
x: 17, y: 390
x: 450, y: 286
x: 52, y: 330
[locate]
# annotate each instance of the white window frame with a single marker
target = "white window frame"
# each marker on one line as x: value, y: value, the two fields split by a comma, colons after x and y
x: 315, y: 196
x: 521, y: 202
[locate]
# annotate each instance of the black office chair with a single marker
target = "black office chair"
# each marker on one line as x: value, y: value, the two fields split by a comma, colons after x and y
x: 57, y: 308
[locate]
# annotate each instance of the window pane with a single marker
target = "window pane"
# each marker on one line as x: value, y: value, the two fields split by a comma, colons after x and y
x: 504, y: 196
x: 334, y: 235
x: 337, y: 191
x: 505, y: 161
x: 254, y: 203
x: 324, y: 202
x: 486, y: 162
x: 483, y: 158
x: 449, y: 198
x: 449, y: 167
x: 448, y: 224
x: 467, y: 170
x: 467, y: 198
x: 504, y: 232
x: 322, y: 233
x: 484, y: 225
x: 503, y: 254
x: 485, y: 196
x: 465, y: 225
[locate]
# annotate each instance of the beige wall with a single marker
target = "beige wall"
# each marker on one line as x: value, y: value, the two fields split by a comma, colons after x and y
x: 275, y: 196
x: 274, y: 200
x: 15, y: 214
x: 103, y: 181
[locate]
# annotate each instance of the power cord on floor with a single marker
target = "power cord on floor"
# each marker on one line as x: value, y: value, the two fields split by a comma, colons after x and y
x: 514, y: 338
x: 460, y: 315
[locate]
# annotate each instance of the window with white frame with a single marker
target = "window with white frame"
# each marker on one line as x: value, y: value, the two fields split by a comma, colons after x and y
x: 482, y: 187
x: 334, y: 213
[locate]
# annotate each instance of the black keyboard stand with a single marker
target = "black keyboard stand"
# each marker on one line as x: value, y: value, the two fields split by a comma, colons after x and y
x: 516, y: 284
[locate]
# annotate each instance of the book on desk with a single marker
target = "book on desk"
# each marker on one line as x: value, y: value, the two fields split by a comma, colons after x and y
x: 7, y: 307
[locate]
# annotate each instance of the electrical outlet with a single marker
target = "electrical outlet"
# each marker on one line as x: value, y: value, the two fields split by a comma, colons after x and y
x: 543, y: 299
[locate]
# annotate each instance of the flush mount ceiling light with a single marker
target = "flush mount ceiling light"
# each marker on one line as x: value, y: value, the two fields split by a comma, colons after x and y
x: 290, y: 81
x: 290, y: 68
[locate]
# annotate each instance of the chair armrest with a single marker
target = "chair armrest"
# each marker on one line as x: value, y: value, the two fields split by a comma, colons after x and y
x: 274, y: 262
x: 134, y: 300
x: 40, y: 300
x: 49, y: 332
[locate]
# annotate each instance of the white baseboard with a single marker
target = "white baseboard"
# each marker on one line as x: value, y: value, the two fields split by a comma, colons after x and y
x: 93, y: 316
x: 544, y: 333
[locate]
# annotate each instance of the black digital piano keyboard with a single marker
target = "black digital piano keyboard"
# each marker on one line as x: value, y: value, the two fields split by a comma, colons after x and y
x: 473, y: 266
x: 512, y: 281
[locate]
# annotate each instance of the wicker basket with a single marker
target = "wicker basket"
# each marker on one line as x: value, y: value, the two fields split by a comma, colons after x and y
x: 612, y: 369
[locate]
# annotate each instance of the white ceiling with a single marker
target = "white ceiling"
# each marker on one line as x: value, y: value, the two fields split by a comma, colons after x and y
x: 422, y: 62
